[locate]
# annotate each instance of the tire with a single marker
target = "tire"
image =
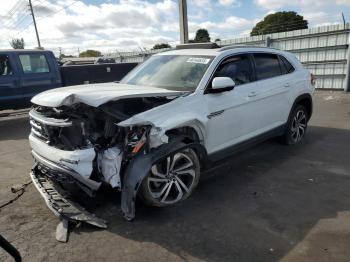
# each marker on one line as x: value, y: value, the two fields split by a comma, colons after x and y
x: 296, y: 126
x: 161, y: 188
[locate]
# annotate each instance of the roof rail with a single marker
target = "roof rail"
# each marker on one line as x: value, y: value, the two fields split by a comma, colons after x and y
x: 208, y: 45
x: 241, y: 46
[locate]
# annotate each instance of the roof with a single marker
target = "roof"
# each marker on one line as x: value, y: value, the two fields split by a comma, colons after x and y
x: 203, y: 52
x: 23, y: 50
x: 217, y: 51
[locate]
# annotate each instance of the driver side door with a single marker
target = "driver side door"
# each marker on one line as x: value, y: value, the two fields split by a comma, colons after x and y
x: 232, y: 116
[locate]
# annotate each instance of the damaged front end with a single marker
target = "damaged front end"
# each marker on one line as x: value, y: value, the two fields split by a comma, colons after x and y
x: 84, y: 145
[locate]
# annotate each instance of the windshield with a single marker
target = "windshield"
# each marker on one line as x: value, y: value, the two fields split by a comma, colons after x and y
x: 175, y: 72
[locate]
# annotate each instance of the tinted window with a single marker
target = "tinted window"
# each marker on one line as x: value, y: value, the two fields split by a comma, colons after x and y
x: 267, y: 65
x: 237, y: 68
x: 34, y: 63
x: 5, y: 66
x: 286, y: 67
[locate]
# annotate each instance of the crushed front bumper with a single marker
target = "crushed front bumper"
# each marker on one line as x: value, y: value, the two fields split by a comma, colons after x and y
x: 59, y: 203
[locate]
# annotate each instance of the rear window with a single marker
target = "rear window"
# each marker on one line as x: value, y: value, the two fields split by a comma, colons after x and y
x: 286, y: 67
x: 34, y: 63
x: 267, y: 66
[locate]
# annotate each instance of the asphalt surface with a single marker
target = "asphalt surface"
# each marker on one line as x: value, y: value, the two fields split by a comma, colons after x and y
x: 270, y: 203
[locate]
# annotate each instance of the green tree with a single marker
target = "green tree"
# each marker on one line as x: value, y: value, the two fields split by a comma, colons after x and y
x: 279, y: 22
x: 90, y: 53
x: 161, y: 46
x: 65, y: 56
x: 17, y: 43
x: 202, y: 36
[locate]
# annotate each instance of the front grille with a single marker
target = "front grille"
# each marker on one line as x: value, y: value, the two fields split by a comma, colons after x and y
x: 54, y: 174
x: 39, y: 130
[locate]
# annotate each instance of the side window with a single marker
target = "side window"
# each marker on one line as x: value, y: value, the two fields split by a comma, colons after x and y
x: 267, y: 65
x: 5, y: 65
x: 34, y: 63
x: 286, y: 67
x: 237, y: 68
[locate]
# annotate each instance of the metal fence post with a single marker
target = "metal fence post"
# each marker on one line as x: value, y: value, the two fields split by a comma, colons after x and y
x: 347, y: 71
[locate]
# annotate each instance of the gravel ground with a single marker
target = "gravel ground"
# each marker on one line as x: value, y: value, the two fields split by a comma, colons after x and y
x: 270, y: 203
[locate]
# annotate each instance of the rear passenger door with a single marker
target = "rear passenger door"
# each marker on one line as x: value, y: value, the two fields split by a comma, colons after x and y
x: 38, y: 73
x: 273, y: 88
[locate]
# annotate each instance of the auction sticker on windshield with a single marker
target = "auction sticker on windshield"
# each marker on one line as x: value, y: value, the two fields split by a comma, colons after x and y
x: 198, y: 60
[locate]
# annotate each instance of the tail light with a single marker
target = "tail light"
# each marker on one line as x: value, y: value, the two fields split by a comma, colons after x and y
x: 313, y: 79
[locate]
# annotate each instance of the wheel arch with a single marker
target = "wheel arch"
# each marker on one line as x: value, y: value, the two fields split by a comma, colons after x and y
x: 191, y: 134
x: 306, y: 101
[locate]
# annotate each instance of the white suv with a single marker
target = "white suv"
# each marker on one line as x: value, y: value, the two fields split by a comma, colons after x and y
x: 152, y: 134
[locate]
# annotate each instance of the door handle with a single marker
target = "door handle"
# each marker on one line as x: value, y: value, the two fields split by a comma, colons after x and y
x: 252, y: 94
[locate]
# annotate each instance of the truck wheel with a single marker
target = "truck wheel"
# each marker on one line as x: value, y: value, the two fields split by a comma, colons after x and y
x: 296, y: 126
x: 172, y: 180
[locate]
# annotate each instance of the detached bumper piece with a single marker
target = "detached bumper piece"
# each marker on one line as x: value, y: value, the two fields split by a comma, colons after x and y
x: 59, y: 203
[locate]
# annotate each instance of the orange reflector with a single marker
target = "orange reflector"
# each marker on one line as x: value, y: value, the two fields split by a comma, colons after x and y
x: 138, y: 146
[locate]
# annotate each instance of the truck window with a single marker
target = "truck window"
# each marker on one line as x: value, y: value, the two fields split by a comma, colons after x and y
x: 34, y: 63
x: 5, y: 66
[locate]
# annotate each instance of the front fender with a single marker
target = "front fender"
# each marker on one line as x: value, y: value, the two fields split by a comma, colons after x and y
x: 140, y: 166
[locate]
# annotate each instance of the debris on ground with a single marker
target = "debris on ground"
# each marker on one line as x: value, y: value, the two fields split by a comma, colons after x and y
x: 62, y: 231
x: 14, y: 189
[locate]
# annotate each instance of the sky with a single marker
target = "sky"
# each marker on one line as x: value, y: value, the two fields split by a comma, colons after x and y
x: 127, y: 25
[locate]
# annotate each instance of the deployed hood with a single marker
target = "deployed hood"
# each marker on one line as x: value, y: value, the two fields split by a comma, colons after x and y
x: 98, y: 94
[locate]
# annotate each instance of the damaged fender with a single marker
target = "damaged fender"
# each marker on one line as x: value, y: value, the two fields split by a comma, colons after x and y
x: 140, y: 166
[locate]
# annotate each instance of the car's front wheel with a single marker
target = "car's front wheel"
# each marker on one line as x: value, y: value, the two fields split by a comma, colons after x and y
x: 171, y: 180
x: 296, y: 126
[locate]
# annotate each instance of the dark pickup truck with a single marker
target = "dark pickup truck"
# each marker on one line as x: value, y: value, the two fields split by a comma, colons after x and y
x: 25, y: 73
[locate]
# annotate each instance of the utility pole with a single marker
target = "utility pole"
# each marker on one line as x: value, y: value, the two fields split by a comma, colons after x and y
x: 34, y: 22
x: 344, y: 22
x: 183, y: 22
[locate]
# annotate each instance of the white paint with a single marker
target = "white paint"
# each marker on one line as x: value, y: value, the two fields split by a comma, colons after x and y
x: 247, y: 111
x: 83, y: 158
x: 97, y: 94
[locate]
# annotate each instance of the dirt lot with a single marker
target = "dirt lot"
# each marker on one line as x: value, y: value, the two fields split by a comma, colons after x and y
x: 269, y: 203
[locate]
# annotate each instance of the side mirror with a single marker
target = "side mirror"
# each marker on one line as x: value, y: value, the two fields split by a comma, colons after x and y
x: 221, y: 84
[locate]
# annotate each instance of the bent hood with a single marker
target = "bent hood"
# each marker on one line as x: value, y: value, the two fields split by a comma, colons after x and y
x: 98, y: 94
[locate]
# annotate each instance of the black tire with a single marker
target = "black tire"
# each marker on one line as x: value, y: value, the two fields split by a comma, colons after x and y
x: 296, y: 126
x: 150, y: 188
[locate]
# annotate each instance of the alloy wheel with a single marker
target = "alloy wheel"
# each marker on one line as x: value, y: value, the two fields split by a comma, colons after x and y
x: 298, y: 126
x: 173, y: 179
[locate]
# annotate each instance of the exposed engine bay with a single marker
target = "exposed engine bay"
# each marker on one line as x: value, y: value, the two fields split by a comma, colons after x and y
x: 79, y: 128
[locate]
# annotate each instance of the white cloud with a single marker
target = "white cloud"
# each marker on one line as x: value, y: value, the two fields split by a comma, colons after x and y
x: 229, y: 3
x: 276, y: 4
x: 272, y: 4
x: 127, y: 24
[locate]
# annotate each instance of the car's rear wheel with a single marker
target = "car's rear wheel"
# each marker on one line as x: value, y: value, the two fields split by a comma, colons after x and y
x: 171, y: 180
x: 296, y: 126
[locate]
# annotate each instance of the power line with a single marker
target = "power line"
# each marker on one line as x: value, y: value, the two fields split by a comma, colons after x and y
x: 43, y: 17
x: 16, y: 9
